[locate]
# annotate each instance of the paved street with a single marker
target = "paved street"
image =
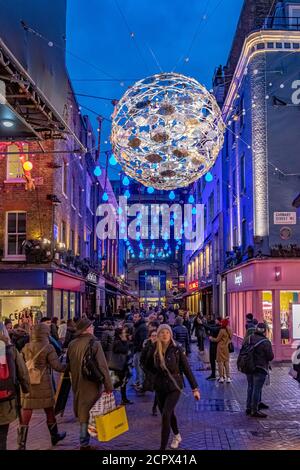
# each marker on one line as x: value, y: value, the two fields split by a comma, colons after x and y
x: 217, y: 422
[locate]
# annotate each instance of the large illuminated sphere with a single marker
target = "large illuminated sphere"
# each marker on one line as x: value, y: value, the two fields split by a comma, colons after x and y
x: 167, y: 131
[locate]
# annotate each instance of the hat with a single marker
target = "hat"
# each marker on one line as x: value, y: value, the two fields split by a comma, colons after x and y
x: 261, y: 328
x: 164, y: 326
x: 82, y: 325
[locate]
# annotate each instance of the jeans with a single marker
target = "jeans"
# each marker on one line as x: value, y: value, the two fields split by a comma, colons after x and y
x: 166, y: 404
x: 140, y: 376
x: 255, y: 385
x: 84, y: 435
x: 212, y: 357
x: 200, y: 341
x: 3, y: 436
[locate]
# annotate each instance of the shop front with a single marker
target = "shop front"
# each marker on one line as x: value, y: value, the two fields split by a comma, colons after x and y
x: 193, y: 298
x: 34, y: 293
x: 270, y: 289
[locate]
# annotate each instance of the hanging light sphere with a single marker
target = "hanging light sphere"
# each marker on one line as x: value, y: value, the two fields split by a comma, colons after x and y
x: 167, y: 131
x: 27, y: 166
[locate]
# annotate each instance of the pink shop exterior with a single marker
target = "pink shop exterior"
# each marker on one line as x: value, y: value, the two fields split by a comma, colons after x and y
x: 270, y: 289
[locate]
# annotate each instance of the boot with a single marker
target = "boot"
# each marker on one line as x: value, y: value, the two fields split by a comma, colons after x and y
x: 22, y: 437
x: 55, y: 435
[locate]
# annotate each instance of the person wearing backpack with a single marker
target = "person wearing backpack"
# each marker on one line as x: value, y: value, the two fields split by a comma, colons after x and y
x: 85, y: 356
x: 13, y: 375
x: 40, y: 358
x: 254, y: 359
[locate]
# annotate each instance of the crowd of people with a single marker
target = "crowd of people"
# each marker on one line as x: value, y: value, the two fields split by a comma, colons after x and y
x: 149, y: 347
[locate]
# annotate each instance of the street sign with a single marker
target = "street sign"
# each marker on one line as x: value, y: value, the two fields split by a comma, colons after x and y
x: 285, y: 218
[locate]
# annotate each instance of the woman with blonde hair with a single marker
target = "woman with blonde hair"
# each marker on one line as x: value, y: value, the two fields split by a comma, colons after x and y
x: 167, y: 361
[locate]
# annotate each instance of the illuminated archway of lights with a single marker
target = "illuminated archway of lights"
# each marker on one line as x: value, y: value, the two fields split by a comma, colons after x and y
x: 167, y: 131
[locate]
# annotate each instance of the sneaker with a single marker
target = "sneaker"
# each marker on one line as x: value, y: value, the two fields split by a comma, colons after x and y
x: 221, y: 380
x: 263, y: 406
x: 176, y: 441
x: 258, y: 414
x: 211, y: 377
x: 228, y: 380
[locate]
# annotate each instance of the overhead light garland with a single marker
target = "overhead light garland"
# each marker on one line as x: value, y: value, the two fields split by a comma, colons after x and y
x: 167, y: 131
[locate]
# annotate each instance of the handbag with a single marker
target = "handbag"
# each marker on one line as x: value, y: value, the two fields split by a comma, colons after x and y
x: 112, y: 424
x: 230, y: 347
x: 117, y: 361
x: 103, y: 405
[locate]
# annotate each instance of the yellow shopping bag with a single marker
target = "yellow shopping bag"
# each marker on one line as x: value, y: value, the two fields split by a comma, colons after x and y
x: 111, y: 424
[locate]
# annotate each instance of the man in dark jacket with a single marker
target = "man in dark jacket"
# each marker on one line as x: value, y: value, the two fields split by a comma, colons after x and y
x: 181, y: 335
x: 86, y: 392
x: 212, y: 329
x: 263, y: 354
x: 140, y: 333
x: 105, y: 334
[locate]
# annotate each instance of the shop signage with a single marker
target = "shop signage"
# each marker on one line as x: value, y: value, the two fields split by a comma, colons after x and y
x: 193, y: 285
x: 285, y: 218
x: 91, y: 277
x: 238, y: 279
x: 296, y: 321
x: 181, y: 282
x: 49, y: 279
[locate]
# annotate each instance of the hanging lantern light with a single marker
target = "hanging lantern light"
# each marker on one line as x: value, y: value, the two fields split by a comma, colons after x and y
x: 97, y: 171
x: 167, y: 131
x: 125, y: 181
x: 191, y: 199
x: 112, y: 160
x: 105, y: 197
x: 27, y: 166
x: 209, y: 177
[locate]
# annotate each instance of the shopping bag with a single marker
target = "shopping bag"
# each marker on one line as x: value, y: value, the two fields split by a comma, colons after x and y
x: 102, y: 406
x: 112, y: 424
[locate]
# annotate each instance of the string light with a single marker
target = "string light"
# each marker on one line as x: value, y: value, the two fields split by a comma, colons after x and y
x: 105, y: 197
x: 97, y: 171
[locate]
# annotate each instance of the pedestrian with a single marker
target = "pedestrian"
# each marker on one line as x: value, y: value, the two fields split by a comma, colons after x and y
x: 149, y: 376
x: 199, y: 328
x: 223, y: 339
x: 13, y: 375
x: 70, y: 333
x: 187, y: 324
x: 54, y: 329
x: 86, y: 392
x: 41, y: 395
x: 167, y: 361
x: 62, y: 331
x: 262, y: 356
x: 106, y: 338
x: 119, y: 362
x: 212, y: 329
x: 140, y: 333
x: 181, y: 335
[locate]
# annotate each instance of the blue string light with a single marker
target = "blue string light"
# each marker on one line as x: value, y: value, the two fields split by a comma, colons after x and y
x: 97, y: 171
x: 191, y: 199
x: 194, y: 211
x: 120, y: 210
x: 127, y: 194
x: 105, y: 197
x: 112, y: 160
x: 126, y: 181
x: 150, y: 190
x: 172, y: 195
x: 209, y: 177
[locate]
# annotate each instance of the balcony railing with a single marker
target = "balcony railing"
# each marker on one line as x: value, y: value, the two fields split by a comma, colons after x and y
x: 280, y: 23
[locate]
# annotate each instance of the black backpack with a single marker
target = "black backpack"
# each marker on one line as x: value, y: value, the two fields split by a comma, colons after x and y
x: 245, y: 362
x: 90, y: 368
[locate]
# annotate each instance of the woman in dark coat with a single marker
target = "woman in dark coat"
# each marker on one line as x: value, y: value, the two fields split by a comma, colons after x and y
x: 10, y: 408
x: 149, y: 376
x: 40, y: 396
x: 119, y: 361
x: 167, y: 361
x: 199, y: 328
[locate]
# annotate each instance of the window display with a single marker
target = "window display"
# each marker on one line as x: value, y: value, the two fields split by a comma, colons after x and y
x: 268, y: 313
x: 287, y: 300
x: 23, y: 304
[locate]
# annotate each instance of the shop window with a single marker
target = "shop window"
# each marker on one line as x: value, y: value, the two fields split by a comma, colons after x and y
x: 15, y: 234
x: 289, y: 301
x: 267, y: 301
x: 65, y: 312
x: 30, y: 305
x: 57, y: 303
x: 14, y: 168
x: 72, y: 304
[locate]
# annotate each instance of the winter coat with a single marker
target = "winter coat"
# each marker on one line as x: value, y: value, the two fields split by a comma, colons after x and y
x: 41, y: 395
x: 199, y: 328
x: 85, y: 391
x: 181, y: 335
x: 263, y: 353
x: 140, y: 334
x: 107, y: 340
x: 70, y: 334
x: 223, y: 339
x: 9, y: 409
x: 177, y: 364
x: 54, y: 331
x: 149, y: 380
x: 19, y: 338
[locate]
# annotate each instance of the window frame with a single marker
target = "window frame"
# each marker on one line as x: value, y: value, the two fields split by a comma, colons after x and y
x: 13, y: 179
x: 18, y: 257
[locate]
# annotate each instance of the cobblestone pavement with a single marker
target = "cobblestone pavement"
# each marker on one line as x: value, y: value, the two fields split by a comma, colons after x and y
x: 217, y: 422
